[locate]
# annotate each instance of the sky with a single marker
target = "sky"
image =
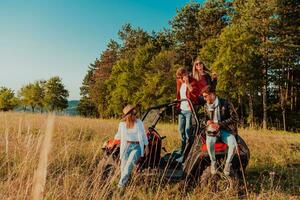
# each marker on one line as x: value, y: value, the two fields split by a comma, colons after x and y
x: 40, y: 39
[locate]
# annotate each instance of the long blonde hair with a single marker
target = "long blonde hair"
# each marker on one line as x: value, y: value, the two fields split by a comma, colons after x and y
x: 129, y: 116
x: 196, y: 74
x: 129, y: 120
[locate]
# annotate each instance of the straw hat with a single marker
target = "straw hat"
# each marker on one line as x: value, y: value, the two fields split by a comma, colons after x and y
x: 127, y: 110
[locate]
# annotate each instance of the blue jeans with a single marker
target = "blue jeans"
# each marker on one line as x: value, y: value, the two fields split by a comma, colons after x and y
x: 227, y: 138
x: 184, y: 127
x: 129, y: 158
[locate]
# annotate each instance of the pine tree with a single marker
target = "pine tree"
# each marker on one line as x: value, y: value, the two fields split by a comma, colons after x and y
x: 186, y: 30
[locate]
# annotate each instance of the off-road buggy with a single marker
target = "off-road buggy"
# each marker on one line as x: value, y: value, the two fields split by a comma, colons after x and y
x: 196, y: 166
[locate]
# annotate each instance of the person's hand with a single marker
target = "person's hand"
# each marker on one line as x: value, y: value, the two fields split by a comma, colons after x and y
x: 146, y: 150
x: 215, y: 126
x: 214, y: 76
x: 185, y: 79
x: 209, y: 122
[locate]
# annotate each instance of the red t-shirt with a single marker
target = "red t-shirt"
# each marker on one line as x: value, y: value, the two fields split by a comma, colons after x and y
x: 202, y: 83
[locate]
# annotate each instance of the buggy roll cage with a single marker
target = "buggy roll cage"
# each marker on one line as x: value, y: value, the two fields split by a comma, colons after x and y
x: 163, y: 107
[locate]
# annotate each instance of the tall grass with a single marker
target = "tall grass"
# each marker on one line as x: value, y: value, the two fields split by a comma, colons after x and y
x: 75, y: 162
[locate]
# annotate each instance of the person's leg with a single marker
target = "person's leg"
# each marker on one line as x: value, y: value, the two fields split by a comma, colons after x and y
x: 134, y: 155
x: 124, y: 157
x: 181, y: 129
x: 188, y: 124
x: 188, y: 131
x: 210, y: 144
x: 124, y: 161
x: 230, y: 140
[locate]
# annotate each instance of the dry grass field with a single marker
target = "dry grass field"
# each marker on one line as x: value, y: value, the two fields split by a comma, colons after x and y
x: 37, y: 162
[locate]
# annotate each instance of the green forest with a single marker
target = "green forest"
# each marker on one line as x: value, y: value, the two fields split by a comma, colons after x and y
x: 252, y: 45
x: 39, y: 96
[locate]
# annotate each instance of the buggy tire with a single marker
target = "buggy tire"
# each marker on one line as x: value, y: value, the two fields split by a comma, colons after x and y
x: 218, y: 183
x: 191, y: 165
x: 109, y: 168
x: 244, y: 150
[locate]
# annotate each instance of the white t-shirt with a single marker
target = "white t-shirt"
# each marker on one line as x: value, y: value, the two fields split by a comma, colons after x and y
x: 132, y: 134
x: 184, y: 105
x: 141, y: 135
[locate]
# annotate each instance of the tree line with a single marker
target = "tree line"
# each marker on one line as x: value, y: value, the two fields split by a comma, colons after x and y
x: 49, y: 95
x: 252, y: 45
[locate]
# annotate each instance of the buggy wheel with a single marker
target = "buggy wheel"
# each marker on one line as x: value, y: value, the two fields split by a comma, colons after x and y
x: 192, y: 168
x: 244, y: 152
x: 218, y: 183
x: 109, y: 169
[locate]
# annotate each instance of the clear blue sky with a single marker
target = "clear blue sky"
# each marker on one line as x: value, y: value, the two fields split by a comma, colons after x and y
x: 44, y: 38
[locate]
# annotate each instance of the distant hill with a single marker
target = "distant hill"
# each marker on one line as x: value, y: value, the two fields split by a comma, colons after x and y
x: 71, y: 110
x: 72, y: 107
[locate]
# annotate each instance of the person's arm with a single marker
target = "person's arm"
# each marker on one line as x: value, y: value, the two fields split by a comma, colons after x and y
x: 146, y: 150
x: 118, y: 134
x: 208, y: 79
x: 188, y: 84
x: 144, y: 138
x: 201, y: 101
x: 232, y: 121
x: 214, y: 80
x: 194, y: 91
x: 144, y: 135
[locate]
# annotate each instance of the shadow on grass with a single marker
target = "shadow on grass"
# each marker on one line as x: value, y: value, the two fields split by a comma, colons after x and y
x: 274, y: 178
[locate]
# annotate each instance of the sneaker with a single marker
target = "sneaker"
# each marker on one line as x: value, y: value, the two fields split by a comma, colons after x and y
x: 227, y: 169
x: 180, y: 159
x: 213, y: 168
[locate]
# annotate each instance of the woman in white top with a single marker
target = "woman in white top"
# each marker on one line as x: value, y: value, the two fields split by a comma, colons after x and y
x: 133, y: 138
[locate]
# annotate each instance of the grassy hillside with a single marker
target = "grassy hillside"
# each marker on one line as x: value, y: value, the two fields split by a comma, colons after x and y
x: 76, y: 160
